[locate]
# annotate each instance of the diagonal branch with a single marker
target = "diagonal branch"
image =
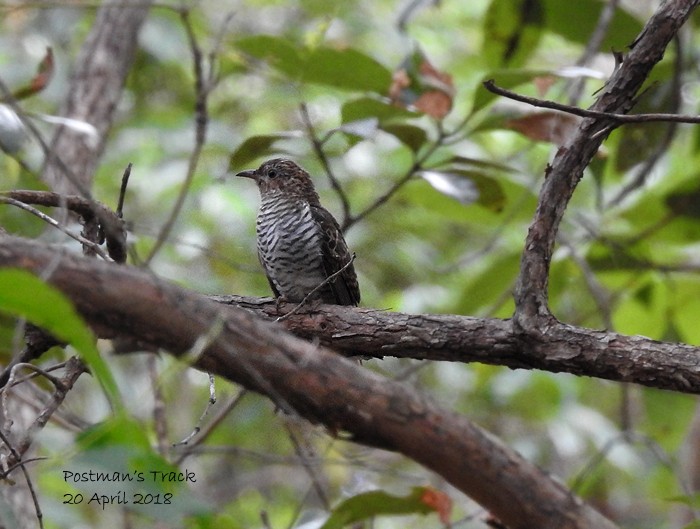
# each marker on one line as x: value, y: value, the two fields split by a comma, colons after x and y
x: 531, y: 292
x: 314, y: 382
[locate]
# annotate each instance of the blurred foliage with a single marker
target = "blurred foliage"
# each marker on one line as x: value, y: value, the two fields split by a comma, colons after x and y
x: 448, y: 238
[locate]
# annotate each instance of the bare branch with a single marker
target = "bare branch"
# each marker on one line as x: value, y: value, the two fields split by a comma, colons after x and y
x: 201, y: 123
x: 321, y: 154
x: 111, y: 224
x: 316, y: 383
x: 531, y: 293
x: 54, y: 223
x: 621, y: 119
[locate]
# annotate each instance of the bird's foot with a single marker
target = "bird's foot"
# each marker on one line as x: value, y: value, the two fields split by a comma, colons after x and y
x: 278, y: 301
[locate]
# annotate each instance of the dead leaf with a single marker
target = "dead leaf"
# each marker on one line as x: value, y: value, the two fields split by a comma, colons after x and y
x: 417, y: 84
x: 554, y: 127
x: 40, y: 80
x: 439, y: 501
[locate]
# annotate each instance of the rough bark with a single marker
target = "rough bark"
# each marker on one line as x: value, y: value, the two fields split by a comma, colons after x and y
x: 311, y: 381
x: 314, y: 382
x: 532, y: 313
x: 559, y: 348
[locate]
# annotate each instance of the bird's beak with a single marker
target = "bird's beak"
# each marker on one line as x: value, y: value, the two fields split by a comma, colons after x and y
x: 250, y: 173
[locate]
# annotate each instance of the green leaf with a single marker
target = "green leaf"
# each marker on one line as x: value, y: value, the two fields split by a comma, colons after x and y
x: 256, y: 146
x: 347, y: 69
x: 280, y: 53
x: 578, y: 21
x: 24, y: 295
x: 478, y: 163
x: 512, y: 31
x: 374, y: 503
x: 498, y: 277
x: 391, y: 120
x: 362, y: 128
x: 468, y: 186
x: 410, y: 135
x: 367, y: 107
x: 644, y: 311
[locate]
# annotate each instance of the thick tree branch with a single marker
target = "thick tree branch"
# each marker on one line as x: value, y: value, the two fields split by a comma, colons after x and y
x: 309, y: 380
x: 562, y: 348
x: 531, y: 293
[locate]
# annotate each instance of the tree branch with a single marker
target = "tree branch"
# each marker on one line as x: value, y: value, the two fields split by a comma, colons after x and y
x: 312, y: 381
x: 565, y: 348
x: 532, y: 313
x: 111, y: 224
x: 491, y: 86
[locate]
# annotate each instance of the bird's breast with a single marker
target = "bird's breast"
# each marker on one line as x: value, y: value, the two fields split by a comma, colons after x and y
x: 289, y: 245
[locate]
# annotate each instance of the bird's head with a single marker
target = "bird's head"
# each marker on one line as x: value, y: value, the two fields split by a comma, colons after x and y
x: 282, y: 175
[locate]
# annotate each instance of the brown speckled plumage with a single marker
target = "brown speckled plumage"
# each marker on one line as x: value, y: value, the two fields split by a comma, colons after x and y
x: 300, y: 244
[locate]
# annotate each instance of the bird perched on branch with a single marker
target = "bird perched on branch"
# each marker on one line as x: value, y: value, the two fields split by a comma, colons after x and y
x: 300, y: 244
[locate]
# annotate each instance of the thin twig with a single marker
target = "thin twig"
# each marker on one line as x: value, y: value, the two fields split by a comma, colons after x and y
x: 382, y: 199
x: 318, y: 149
x: 205, y: 432
x: 306, y: 463
x: 160, y: 419
x: 670, y: 133
x: 21, y: 464
x: 201, y: 123
x: 316, y: 289
x: 593, y: 45
x: 112, y: 226
x: 52, y: 222
x: 9, y: 100
x: 122, y: 190
x: 210, y: 402
x: 619, y: 118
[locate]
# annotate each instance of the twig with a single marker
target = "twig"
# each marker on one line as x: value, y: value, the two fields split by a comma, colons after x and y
x: 417, y: 166
x: 210, y: 402
x: 122, y: 190
x: 665, y: 142
x: 19, y: 463
x: 207, y: 431
x: 74, y: 368
x: 52, y: 222
x: 619, y: 118
x: 318, y: 149
x: 319, y: 286
x: 306, y: 463
x: 628, y: 437
x: 593, y: 45
x: 201, y: 123
x: 160, y: 420
x: 111, y: 225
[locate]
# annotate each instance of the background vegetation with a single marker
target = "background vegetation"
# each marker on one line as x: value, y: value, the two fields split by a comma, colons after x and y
x: 436, y: 208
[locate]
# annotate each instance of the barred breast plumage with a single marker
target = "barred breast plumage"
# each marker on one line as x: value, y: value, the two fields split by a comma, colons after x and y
x: 300, y: 244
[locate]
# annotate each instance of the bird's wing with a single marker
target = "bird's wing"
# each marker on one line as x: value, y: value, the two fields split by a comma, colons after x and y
x: 335, y: 256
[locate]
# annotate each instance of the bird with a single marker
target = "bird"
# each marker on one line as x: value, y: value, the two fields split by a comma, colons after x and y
x: 300, y: 244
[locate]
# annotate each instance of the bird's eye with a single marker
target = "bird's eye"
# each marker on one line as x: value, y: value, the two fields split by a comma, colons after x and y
x: 271, y: 173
